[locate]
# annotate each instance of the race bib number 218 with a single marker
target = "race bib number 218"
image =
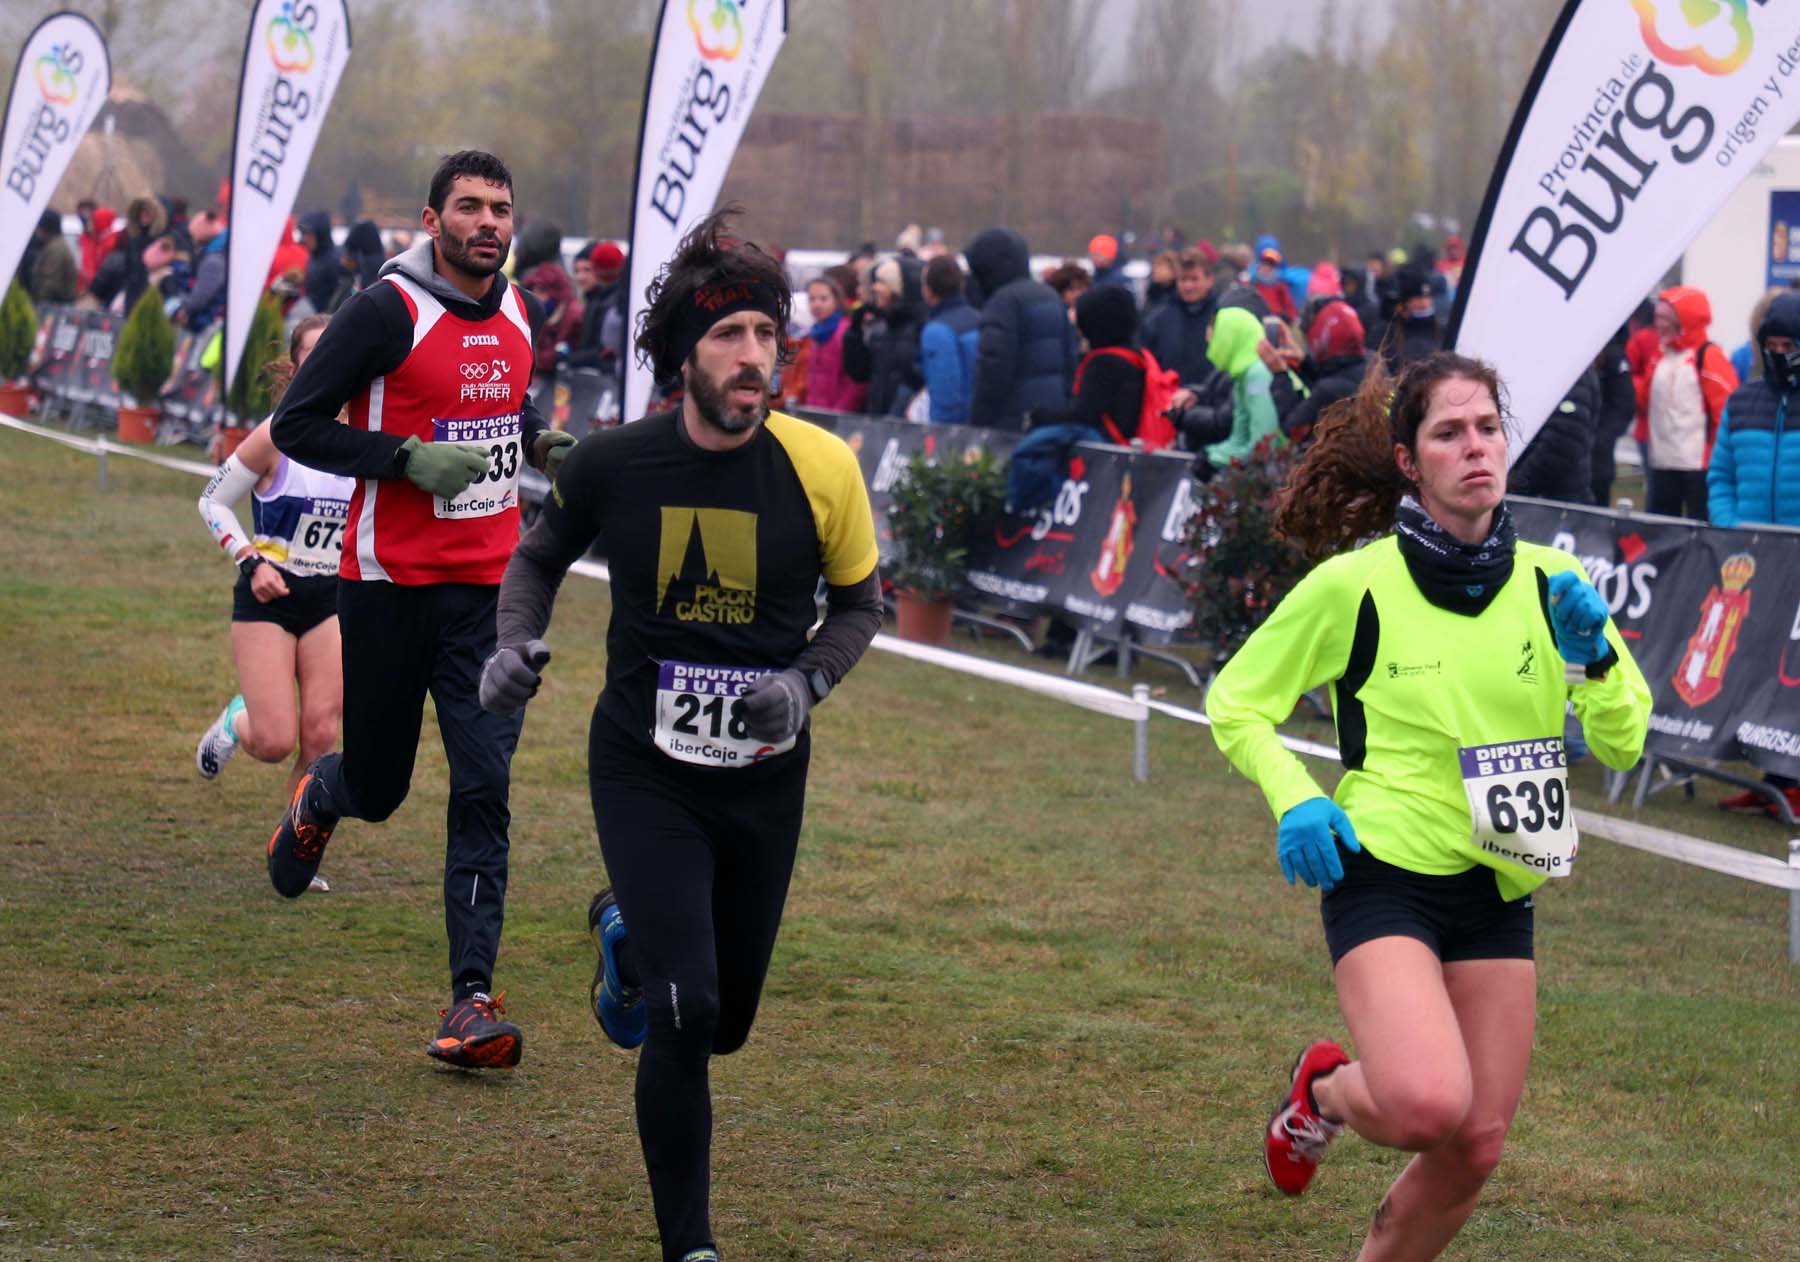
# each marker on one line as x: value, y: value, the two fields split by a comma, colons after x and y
x: 697, y: 719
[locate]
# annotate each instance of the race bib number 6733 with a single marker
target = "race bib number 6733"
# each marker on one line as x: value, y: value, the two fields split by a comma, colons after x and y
x: 1519, y: 802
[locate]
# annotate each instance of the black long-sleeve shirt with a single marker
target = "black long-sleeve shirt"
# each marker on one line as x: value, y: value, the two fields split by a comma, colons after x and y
x: 369, y: 337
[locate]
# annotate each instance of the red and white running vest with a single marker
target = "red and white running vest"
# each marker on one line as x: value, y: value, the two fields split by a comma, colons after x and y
x: 463, y: 381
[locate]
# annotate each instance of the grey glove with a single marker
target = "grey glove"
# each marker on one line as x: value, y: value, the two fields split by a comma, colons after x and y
x: 776, y: 706
x: 443, y: 469
x: 510, y: 677
x: 549, y: 449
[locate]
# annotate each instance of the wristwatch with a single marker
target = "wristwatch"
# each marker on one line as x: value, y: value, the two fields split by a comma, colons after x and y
x: 1596, y: 671
x: 248, y: 565
x: 818, y: 685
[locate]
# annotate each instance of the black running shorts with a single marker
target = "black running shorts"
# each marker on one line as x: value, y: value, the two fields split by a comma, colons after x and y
x: 1460, y: 917
x: 309, y: 602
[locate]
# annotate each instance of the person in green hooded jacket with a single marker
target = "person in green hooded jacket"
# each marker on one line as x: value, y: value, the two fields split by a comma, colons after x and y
x: 1232, y: 349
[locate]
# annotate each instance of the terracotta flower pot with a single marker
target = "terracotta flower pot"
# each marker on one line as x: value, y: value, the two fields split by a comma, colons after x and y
x: 138, y: 425
x: 923, y: 618
x: 15, y: 399
x: 228, y: 441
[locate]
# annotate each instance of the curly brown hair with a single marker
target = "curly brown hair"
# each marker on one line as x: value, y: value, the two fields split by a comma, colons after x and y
x: 707, y: 255
x: 1348, y: 484
x: 280, y: 372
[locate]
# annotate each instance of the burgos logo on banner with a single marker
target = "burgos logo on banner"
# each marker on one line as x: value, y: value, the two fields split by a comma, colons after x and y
x: 56, y: 71
x: 290, y: 44
x: 47, y: 125
x: 284, y: 105
x: 1712, y: 35
x: 720, y: 36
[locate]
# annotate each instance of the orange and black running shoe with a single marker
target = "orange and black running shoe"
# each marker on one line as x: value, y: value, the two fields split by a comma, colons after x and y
x: 298, y: 842
x: 473, y: 1037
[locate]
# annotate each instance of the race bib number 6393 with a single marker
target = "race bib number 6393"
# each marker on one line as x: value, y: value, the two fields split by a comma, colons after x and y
x: 1519, y: 802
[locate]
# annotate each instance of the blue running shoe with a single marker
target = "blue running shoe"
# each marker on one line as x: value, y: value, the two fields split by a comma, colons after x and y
x: 617, y: 1007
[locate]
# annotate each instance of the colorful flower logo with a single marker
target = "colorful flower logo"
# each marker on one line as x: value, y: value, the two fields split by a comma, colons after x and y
x: 1713, y: 35
x: 720, y: 35
x: 56, y: 75
x: 290, y: 47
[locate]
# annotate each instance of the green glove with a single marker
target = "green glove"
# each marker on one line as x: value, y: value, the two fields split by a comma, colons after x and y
x: 549, y: 449
x: 443, y: 469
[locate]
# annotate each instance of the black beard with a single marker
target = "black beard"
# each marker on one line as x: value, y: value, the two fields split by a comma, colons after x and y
x: 457, y: 254
x: 710, y: 401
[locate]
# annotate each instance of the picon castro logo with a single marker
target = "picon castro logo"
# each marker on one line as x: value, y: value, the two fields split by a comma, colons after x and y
x: 706, y: 565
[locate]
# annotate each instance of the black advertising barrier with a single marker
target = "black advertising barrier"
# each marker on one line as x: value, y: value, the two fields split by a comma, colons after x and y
x: 192, y: 394
x: 92, y: 381
x: 1712, y: 616
x: 1104, y: 554
x: 53, y: 358
x: 885, y: 444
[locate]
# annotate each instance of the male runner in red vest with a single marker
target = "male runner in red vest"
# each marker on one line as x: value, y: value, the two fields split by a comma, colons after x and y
x: 433, y: 361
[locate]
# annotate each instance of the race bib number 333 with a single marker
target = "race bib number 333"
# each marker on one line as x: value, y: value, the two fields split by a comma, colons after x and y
x: 694, y: 715
x: 497, y: 489
x: 1519, y: 801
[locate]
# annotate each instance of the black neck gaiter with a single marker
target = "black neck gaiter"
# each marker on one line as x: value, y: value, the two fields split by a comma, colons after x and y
x: 1463, y: 578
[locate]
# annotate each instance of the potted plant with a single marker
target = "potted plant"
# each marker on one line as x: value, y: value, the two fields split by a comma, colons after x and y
x: 932, y: 518
x: 18, y: 332
x: 143, y: 359
x: 1240, y: 568
x: 252, y: 397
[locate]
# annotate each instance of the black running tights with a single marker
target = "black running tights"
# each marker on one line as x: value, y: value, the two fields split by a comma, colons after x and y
x: 699, y: 859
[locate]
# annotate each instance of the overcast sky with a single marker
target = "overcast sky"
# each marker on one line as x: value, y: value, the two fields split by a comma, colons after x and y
x: 1262, y: 23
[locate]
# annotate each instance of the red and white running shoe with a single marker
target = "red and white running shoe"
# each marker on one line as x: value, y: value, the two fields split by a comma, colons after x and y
x: 1296, y: 1134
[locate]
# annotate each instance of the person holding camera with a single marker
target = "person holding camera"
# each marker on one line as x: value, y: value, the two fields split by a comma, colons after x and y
x: 1175, y: 331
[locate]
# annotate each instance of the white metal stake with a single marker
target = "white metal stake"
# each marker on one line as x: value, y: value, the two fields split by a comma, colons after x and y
x: 1140, y: 767
x: 1794, y: 904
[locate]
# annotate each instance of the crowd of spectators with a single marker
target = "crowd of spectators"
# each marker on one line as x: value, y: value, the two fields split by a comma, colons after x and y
x: 161, y: 244
x: 1259, y: 348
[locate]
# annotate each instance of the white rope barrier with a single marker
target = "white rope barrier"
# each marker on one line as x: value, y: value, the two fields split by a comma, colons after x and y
x: 1136, y: 709
x: 98, y: 446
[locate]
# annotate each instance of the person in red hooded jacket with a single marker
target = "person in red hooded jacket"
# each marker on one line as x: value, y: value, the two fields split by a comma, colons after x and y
x: 1682, y: 397
x: 99, y: 237
x: 290, y: 255
x: 562, y: 314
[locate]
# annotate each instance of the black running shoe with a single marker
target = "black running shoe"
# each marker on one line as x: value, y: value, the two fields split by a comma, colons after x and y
x: 473, y: 1037
x: 298, y: 842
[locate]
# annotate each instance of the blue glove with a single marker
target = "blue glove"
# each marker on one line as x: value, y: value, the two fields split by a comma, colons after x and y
x: 1578, y: 617
x: 1306, y: 842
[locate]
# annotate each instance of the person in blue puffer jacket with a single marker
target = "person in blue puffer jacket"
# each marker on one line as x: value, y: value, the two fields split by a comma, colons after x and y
x: 1754, y: 477
x: 947, y: 346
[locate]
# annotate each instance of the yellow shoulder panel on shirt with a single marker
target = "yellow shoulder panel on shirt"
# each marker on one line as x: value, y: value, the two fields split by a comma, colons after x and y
x: 839, y: 500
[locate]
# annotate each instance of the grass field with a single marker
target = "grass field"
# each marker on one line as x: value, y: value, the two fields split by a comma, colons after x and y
x: 1022, y: 1008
